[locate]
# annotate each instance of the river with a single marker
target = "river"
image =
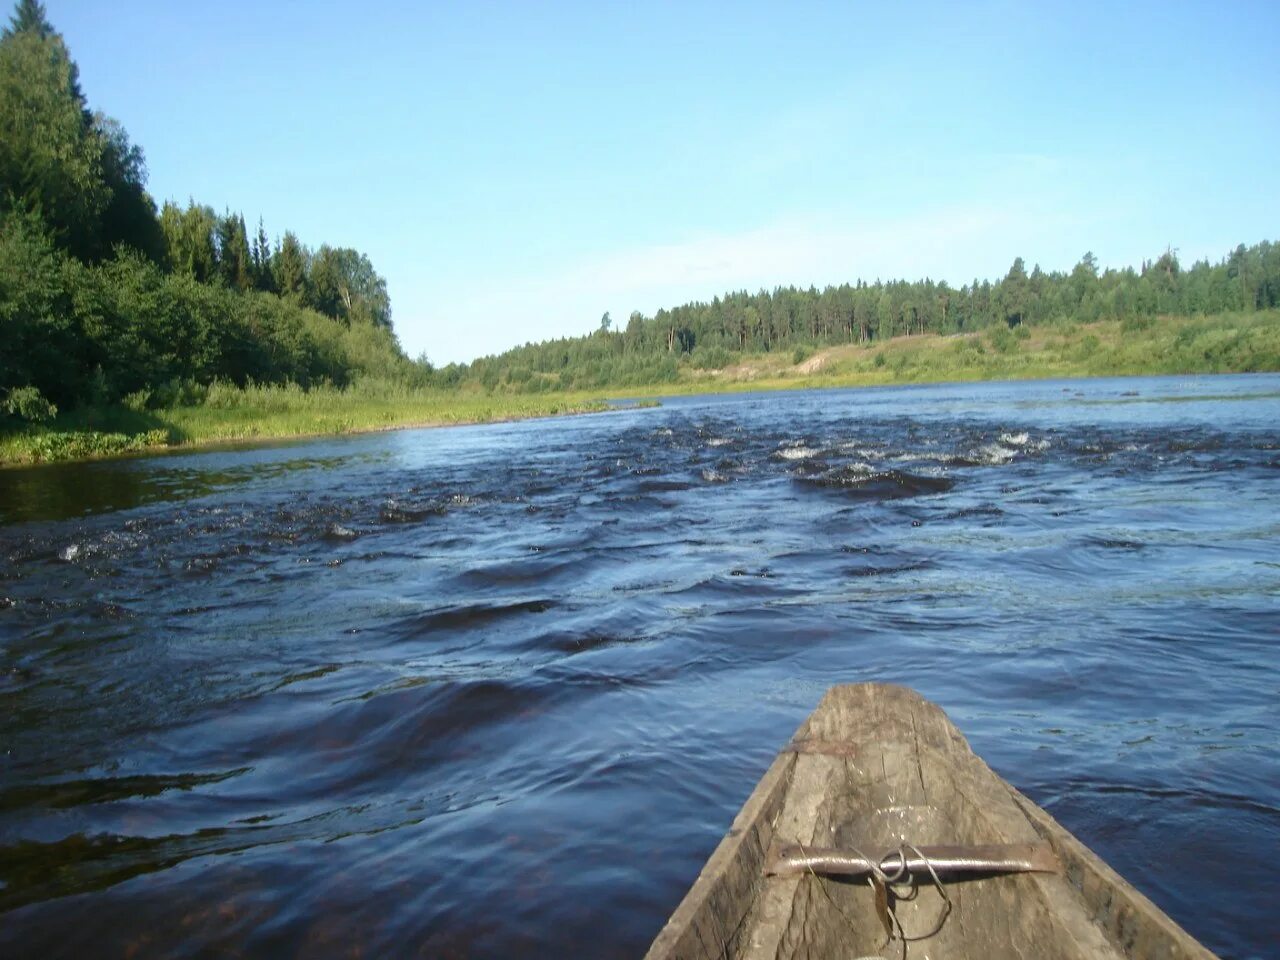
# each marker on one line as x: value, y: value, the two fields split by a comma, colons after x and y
x: 498, y: 691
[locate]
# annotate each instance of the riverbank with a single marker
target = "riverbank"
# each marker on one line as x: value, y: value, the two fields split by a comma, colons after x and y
x: 1225, y: 343
x: 1228, y: 343
x: 231, y: 414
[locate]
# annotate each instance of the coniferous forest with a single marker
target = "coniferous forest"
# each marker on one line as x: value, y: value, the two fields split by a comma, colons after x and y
x: 716, y: 334
x: 108, y: 303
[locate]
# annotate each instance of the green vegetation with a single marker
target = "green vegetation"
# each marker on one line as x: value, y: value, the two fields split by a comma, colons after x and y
x: 791, y: 324
x: 224, y: 412
x: 1228, y: 343
x: 105, y: 302
x: 125, y: 329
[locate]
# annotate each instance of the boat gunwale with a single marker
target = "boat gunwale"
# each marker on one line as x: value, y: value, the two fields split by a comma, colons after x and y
x: 1129, y: 921
x: 747, y: 825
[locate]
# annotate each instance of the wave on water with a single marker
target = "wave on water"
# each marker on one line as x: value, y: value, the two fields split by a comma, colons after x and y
x: 397, y: 511
x: 465, y: 616
x: 863, y: 481
x: 993, y: 454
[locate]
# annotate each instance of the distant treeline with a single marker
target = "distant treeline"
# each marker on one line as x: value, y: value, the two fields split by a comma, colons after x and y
x: 713, y: 335
x: 104, y: 300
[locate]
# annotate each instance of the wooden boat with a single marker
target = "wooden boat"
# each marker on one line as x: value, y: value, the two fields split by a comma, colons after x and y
x: 878, y: 773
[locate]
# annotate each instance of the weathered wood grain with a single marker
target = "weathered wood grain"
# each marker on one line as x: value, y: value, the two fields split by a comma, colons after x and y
x: 884, y: 766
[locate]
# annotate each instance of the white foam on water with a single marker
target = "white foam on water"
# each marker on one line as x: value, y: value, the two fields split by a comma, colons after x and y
x: 993, y: 453
x: 798, y: 453
x: 1023, y: 440
x: 867, y: 453
x: 865, y: 468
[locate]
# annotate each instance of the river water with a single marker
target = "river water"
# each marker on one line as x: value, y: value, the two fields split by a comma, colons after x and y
x: 498, y: 691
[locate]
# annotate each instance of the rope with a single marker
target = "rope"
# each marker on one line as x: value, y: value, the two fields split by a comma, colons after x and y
x: 882, y: 882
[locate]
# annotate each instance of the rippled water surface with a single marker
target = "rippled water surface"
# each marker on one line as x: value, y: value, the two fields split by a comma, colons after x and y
x: 498, y: 691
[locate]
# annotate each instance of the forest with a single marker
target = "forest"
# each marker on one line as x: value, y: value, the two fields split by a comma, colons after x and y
x: 717, y: 334
x: 105, y: 300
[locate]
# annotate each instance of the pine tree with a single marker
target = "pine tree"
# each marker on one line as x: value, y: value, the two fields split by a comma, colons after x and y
x: 262, y: 278
x: 1015, y: 293
x: 289, y: 267
x: 29, y: 17
x: 51, y: 154
x: 235, y: 263
x: 189, y: 240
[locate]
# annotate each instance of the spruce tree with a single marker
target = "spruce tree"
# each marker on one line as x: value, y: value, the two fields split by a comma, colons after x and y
x: 29, y: 17
x: 51, y: 154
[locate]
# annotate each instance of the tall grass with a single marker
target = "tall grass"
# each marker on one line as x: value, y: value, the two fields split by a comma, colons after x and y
x: 230, y: 412
x: 226, y: 413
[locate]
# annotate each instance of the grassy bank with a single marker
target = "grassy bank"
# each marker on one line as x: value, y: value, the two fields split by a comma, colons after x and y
x: 257, y: 413
x: 1232, y: 343
x: 1220, y: 344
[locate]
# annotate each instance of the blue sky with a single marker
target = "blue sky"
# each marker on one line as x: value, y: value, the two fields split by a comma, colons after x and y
x: 515, y: 170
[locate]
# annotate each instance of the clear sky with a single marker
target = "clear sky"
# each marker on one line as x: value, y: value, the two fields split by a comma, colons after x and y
x: 514, y: 170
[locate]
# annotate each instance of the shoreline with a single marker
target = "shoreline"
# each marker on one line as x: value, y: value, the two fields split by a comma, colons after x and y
x: 647, y: 393
x: 214, y: 443
x: 1227, y: 344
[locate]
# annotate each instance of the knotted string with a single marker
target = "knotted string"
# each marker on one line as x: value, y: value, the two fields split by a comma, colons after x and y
x: 882, y: 882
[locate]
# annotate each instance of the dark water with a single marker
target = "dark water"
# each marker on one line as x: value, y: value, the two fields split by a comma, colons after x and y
x: 498, y: 691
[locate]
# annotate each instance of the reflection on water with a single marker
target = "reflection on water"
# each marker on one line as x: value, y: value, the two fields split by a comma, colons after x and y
x: 499, y: 690
x: 62, y: 490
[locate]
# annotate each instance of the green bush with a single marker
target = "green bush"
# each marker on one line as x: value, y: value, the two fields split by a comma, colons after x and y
x: 1088, y: 346
x: 82, y: 444
x: 178, y: 393
x: 968, y: 348
x: 712, y: 358
x: 1002, y: 339
x: 29, y: 405
x: 138, y: 401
